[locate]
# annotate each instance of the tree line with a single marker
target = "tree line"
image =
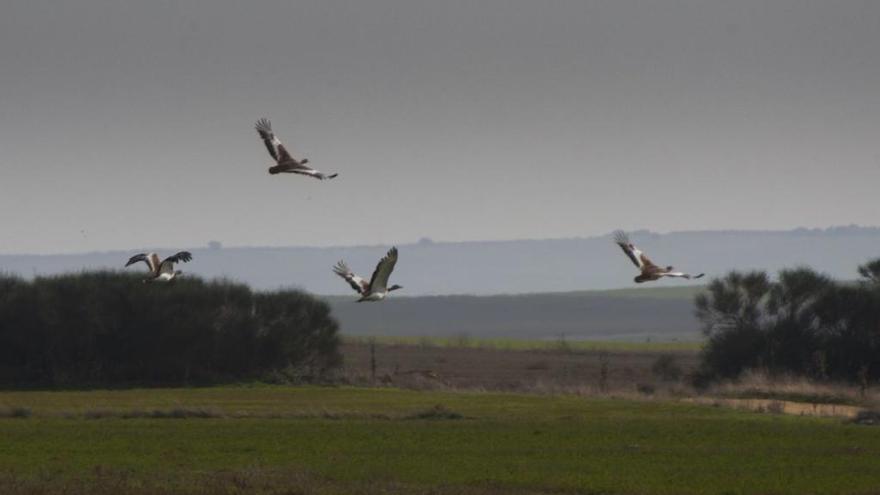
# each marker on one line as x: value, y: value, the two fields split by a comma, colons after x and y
x: 108, y: 329
x: 802, y: 323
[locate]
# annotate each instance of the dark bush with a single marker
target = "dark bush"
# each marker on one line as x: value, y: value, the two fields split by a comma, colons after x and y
x: 803, y: 323
x: 107, y: 328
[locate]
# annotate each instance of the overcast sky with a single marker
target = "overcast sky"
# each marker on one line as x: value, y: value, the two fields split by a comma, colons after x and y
x: 127, y: 124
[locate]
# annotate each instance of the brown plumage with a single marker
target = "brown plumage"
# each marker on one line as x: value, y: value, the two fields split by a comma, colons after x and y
x: 649, y: 270
x: 285, y: 163
x: 161, y: 271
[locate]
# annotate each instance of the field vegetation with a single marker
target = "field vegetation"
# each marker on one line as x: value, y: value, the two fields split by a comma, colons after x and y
x: 282, y: 440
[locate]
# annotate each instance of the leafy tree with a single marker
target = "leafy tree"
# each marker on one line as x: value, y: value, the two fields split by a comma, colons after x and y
x: 733, y: 302
x: 849, y: 319
x: 803, y: 323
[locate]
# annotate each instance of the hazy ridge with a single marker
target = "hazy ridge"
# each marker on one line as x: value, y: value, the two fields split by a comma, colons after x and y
x: 503, y: 267
x: 529, y: 288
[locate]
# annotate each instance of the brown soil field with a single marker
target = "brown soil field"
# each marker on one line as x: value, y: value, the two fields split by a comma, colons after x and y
x: 416, y: 366
x: 626, y: 374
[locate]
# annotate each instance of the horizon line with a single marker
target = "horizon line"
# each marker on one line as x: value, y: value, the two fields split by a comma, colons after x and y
x: 427, y: 240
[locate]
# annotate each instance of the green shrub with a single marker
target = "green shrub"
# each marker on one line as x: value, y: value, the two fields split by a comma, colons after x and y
x: 803, y: 323
x: 108, y: 328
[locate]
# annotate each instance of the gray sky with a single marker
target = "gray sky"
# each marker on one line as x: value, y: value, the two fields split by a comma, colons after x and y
x: 130, y: 124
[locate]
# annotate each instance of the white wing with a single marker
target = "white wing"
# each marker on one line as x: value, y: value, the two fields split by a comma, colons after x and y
x: 631, y: 251
x: 167, y: 265
x: 357, y: 283
x: 681, y: 275
x: 166, y: 268
x: 273, y: 144
x: 379, y: 281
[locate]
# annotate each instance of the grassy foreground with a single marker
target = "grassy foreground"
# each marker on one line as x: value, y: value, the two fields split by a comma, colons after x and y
x: 268, y: 439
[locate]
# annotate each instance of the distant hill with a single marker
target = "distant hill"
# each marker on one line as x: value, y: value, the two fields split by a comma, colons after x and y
x: 505, y: 267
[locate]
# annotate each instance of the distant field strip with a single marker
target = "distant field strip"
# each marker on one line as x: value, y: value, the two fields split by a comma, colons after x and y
x: 274, y: 439
x: 557, y: 344
x: 632, y: 315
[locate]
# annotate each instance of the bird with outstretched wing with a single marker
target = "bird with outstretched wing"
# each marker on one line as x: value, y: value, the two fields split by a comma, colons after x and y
x: 377, y: 288
x: 284, y: 162
x: 649, y: 270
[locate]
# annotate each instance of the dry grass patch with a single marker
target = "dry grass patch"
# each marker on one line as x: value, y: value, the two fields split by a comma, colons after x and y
x: 758, y: 385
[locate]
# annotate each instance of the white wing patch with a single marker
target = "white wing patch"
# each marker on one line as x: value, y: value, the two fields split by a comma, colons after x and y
x: 357, y: 283
x: 379, y: 280
x: 153, y: 262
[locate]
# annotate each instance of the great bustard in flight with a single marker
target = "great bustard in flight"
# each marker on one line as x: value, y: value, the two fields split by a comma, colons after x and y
x: 649, y: 270
x: 377, y: 288
x: 161, y: 271
x: 284, y: 162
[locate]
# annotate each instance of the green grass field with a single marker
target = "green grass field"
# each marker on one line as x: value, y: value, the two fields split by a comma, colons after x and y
x: 273, y: 439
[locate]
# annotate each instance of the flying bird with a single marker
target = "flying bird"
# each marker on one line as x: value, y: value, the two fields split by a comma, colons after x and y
x: 649, y: 270
x: 284, y: 162
x: 377, y: 288
x: 160, y: 271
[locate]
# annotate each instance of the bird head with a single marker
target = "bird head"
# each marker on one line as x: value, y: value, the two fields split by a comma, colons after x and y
x: 639, y: 279
x: 394, y: 287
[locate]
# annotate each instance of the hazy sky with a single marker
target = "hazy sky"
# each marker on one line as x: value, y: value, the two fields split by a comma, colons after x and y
x: 129, y: 124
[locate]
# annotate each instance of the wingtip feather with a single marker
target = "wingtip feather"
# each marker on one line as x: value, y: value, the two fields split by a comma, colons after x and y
x: 263, y: 125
